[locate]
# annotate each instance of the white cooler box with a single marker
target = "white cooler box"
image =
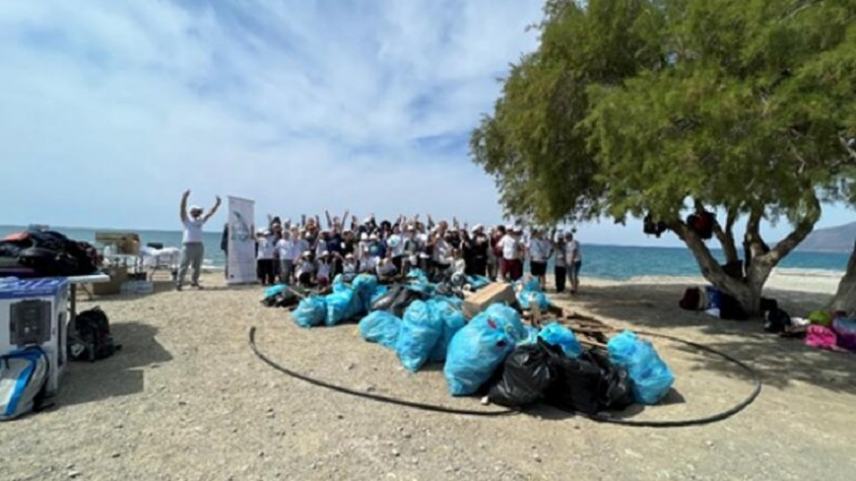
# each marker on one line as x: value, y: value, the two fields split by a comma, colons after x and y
x: 35, y: 311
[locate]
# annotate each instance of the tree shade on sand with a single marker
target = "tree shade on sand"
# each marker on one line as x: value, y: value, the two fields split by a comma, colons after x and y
x: 669, y: 107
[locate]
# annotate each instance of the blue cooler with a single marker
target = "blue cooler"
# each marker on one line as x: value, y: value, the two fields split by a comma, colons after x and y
x: 35, y: 312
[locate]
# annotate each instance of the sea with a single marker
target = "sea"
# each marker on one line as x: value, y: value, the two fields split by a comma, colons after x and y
x: 599, y: 260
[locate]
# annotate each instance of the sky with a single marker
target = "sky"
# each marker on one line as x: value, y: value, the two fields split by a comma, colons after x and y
x: 111, y: 110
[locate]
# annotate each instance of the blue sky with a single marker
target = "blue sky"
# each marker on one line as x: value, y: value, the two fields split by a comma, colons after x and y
x: 110, y: 111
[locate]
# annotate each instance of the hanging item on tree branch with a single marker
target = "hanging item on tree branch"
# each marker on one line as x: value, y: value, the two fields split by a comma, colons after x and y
x: 702, y: 224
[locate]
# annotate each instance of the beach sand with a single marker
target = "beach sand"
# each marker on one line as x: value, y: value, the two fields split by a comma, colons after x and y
x: 186, y: 399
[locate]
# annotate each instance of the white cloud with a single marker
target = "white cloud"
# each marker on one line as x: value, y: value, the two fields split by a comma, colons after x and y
x: 111, y: 109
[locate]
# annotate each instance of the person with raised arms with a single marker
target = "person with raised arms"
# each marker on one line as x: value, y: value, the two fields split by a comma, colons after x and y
x: 192, y: 248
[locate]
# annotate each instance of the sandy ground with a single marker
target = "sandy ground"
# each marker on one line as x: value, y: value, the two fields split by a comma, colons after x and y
x: 186, y: 399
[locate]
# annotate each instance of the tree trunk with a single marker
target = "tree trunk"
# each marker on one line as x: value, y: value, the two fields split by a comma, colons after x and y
x: 845, y: 297
x: 748, y: 290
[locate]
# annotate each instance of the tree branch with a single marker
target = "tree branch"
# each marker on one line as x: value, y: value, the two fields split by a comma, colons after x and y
x: 802, y: 229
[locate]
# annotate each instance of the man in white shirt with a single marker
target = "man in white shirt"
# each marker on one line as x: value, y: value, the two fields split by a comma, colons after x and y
x: 192, y: 248
x: 510, y: 265
x: 539, y: 252
x: 574, y: 259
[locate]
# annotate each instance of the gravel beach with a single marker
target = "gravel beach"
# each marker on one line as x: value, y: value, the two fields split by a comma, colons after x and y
x: 186, y: 399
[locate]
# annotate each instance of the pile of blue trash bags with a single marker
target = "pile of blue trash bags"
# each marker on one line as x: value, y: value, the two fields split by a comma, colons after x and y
x: 494, y: 353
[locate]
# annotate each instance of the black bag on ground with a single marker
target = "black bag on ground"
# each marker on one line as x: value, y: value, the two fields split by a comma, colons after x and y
x: 91, y: 339
x: 588, y: 384
x: 691, y: 300
x: 730, y: 308
x: 526, y: 375
x: 776, y: 320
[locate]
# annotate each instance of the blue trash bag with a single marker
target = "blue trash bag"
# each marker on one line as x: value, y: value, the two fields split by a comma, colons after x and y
x: 650, y: 375
x: 364, y: 286
x: 380, y: 327
x: 421, y: 328
x: 531, y: 335
x: 418, y: 281
x: 556, y: 334
x: 274, y: 290
x: 508, y: 319
x: 339, y: 283
x: 531, y: 292
x: 311, y: 311
x: 453, y: 320
x: 379, y: 291
x: 456, y: 302
x: 341, y: 306
x: 477, y: 282
x: 474, y: 353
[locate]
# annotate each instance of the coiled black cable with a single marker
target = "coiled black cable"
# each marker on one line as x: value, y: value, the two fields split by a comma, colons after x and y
x: 596, y: 417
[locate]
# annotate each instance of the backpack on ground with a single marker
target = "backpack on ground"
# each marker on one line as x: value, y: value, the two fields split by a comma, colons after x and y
x: 91, y: 340
x: 23, y: 378
x: 694, y: 299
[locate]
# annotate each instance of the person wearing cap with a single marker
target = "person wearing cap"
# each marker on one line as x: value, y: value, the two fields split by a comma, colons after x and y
x: 266, y: 249
x: 192, y: 248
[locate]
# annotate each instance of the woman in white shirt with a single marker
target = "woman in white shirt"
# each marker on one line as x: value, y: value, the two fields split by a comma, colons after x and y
x: 285, y: 252
x: 539, y: 252
x: 265, y: 257
x: 574, y: 259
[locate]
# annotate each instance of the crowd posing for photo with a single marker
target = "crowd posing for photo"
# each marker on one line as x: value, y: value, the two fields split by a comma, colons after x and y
x: 310, y: 255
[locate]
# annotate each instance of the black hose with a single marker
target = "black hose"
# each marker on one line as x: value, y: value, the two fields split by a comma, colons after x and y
x: 374, y: 397
x: 603, y: 418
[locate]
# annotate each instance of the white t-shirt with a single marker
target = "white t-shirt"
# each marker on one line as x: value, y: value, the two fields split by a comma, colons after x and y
x: 284, y: 250
x: 573, y: 252
x: 560, y: 258
x: 509, y: 247
x: 306, y: 267
x: 192, y: 230
x: 266, y: 248
x: 539, y: 250
x: 298, y: 247
x: 442, y: 251
x: 323, y: 270
x: 396, y: 245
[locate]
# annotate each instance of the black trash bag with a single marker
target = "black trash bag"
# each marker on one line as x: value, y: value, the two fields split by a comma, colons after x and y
x: 617, y: 389
x: 525, y: 376
x: 385, y: 301
x: 579, y: 383
x: 396, y: 299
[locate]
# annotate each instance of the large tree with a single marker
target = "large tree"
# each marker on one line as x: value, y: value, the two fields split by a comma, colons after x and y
x: 664, y: 107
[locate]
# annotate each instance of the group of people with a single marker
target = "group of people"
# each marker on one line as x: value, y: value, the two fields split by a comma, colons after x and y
x: 308, y: 254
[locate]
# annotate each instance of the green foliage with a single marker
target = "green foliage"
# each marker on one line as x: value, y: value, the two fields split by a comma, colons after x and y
x: 631, y: 106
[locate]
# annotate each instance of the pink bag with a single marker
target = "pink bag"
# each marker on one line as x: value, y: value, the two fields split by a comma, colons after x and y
x: 821, y: 337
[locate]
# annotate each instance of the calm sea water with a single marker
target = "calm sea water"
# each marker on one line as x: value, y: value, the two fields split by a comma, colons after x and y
x: 605, y: 261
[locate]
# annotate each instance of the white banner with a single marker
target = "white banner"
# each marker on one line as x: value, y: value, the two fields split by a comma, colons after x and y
x: 241, y: 260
